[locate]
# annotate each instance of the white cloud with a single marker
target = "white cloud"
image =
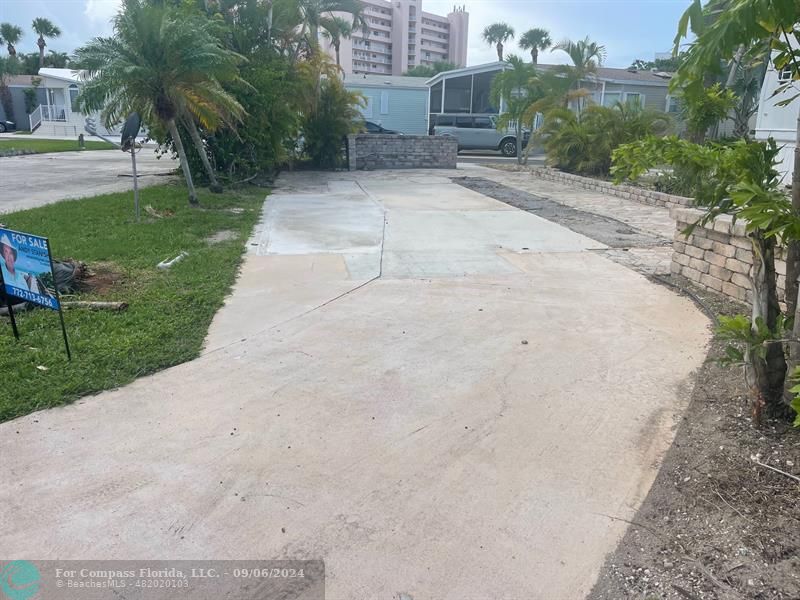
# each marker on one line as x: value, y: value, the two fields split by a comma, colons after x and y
x: 100, y: 12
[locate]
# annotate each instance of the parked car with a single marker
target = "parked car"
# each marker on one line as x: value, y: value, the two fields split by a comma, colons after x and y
x: 478, y: 132
x: 370, y: 127
x: 7, y: 126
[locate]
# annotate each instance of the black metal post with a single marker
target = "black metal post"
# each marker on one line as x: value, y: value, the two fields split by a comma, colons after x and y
x: 10, y: 308
x: 58, y: 299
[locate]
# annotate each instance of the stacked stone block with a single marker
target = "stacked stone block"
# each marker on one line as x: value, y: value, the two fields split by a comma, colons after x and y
x: 375, y: 151
x: 628, y: 192
x: 718, y: 256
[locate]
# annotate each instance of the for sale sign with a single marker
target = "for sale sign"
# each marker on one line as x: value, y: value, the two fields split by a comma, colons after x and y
x: 26, y: 268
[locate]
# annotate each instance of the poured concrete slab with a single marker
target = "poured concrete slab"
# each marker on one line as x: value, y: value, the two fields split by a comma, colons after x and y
x: 434, y: 431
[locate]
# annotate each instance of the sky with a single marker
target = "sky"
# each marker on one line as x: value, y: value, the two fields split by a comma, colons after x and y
x: 629, y: 29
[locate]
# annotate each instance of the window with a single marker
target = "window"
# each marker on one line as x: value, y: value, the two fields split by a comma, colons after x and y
x: 483, y: 123
x: 611, y: 98
x: 464, y: 122
x: 785, y: 74
x: 634, y: 99
x: 444, y: 121
x: 384, y: 103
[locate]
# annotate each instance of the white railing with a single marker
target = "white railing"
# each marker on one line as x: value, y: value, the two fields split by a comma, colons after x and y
x: 53, y: 112
x: 35, y: 118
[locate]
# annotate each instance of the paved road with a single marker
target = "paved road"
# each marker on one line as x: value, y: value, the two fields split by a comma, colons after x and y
x: 439, y: 394
x: 38, y: 179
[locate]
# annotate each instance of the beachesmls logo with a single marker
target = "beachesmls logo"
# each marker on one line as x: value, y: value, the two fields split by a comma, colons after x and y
x: 19, y: 580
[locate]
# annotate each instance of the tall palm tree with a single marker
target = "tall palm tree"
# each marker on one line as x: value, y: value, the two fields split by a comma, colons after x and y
x: 535, y: 39
x: 496, y: 35
x: 315, y: 11
x: 336, y: 29
x: 164, y: 65
x: 10, y: 35
x: 518, y: 89
x: 586, y: 55
x: 45, y: 29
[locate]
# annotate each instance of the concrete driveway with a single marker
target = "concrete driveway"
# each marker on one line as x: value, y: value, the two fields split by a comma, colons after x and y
x: 438, y: 394
x: 37, y: 179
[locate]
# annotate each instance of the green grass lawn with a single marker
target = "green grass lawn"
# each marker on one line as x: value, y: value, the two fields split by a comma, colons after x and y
x: 40, y: 146
x: 169, y: 311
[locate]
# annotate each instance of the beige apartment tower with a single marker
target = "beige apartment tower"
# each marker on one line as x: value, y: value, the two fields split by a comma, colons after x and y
x: 400, y: 35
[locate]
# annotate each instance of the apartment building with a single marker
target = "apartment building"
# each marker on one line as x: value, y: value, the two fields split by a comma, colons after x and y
x: 399, y: 35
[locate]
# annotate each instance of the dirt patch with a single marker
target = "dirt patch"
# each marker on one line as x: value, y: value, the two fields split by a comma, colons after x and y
x: 225, y: 235
x: 715, y: 525
x: 102, y: 278
x: 610, y: 232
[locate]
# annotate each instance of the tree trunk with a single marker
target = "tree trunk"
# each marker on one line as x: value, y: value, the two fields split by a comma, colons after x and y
x: 12, y: 51
x: 338, y: 61
x: 201, y: 150
x: 766, y: 374
x: 792, y: 274
x: 519, y: 141
x: 187, y: 174
x: 41, y: 45
x: 534, y: 55
x: 500, y: 51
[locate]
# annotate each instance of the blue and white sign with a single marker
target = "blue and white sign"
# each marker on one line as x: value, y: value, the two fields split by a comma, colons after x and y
x: 25, y: 267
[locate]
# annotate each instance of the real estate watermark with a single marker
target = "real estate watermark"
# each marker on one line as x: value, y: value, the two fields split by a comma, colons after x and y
x: 162, y: 579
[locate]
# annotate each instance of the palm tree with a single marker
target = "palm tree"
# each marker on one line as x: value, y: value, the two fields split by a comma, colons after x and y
x: 10, y: 35
x: 45, y: 29
x: 496, y: 35
x: 336, y: 29
x: 518, y: 89
x: 535, y: 39
x: 586, y: 55
x: 164, y: 65
x: 315, y: 11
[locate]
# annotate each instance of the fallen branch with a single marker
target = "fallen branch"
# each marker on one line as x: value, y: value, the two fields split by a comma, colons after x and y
x: 116, y: 306
x: 759, y: 463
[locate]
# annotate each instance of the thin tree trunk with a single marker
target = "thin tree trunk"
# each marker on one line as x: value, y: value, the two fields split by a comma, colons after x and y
x: 41, y: 45
x: 201, y: 150
x: 500, y: 52
x: 767, y: 374
x: 792, y: 274
x: 519, y: 141
x: 187, y: 174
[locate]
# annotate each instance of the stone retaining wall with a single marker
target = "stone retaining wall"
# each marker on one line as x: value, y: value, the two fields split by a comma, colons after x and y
x: 622, y: 191
x: 718, y: 256
x: 375, y: 151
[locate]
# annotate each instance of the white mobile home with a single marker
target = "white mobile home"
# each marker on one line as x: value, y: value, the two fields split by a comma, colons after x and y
x: 779, y: 122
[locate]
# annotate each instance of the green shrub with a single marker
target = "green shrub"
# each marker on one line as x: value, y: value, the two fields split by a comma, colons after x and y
x: 583, y: 143
x: 325, y: 129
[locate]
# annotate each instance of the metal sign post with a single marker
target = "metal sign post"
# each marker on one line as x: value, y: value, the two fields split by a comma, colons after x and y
x: 135, y: 182
x: 10, y: 308
x: 128, y: 143
x: 58, y: 299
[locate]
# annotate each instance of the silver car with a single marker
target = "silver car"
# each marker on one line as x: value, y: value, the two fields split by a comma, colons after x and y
x: 477, y: 132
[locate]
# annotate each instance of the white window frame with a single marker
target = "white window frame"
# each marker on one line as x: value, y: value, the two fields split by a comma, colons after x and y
x: 384, y: 102
x: 641, y: 96
x: 785, y: 74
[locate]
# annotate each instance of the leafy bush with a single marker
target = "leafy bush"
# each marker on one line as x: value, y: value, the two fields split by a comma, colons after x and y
x: 326, y: 127
x: 583, y: 143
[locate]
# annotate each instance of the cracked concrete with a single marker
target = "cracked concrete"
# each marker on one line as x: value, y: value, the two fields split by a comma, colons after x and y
x: 440, y: 395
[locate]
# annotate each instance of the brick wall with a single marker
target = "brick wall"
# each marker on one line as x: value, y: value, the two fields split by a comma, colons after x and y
x: 718, y: 256
x: 621, y: 191
x: 372, y: 151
